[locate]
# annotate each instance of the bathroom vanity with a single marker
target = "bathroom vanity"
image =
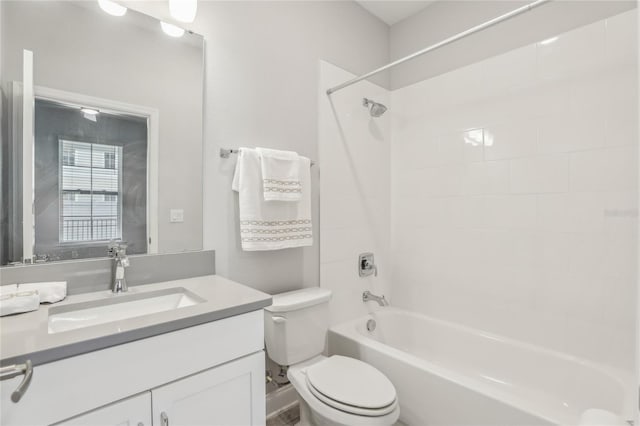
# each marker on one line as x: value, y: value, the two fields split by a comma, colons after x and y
x: 180, y: 352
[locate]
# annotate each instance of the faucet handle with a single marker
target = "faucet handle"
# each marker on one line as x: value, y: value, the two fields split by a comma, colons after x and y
x: 367, y: 265
x: 117, y: 248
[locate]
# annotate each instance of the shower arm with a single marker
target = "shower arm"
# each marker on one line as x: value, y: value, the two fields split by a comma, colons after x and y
x: 485, y: 25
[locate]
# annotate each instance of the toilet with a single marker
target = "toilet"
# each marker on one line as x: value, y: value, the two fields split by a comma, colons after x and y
x: 335, y: 390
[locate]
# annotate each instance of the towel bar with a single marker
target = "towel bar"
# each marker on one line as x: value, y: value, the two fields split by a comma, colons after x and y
x: 226, y: 153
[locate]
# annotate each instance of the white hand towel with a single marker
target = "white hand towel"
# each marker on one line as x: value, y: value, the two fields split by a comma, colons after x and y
x: 50, y: 292
x: 271, y: 225
x: 280, y: 175
x: 18, y: 302
x: 9, y: 288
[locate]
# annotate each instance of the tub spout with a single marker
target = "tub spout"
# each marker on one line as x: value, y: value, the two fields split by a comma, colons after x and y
x: 367, y: 296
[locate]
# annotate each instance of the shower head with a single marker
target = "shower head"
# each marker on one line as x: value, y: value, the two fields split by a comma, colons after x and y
x: 375, y: 109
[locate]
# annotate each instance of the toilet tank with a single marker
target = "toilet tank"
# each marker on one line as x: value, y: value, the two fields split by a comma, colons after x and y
x: 296, y: 324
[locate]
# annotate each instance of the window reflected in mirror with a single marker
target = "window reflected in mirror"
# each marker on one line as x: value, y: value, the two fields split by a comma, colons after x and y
x: 114, y: 100
x: 90, y: 181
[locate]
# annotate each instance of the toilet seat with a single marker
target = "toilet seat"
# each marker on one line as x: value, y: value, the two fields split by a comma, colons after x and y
x: 368, y: 412
x: 297, y: 374
x: 352, y: 386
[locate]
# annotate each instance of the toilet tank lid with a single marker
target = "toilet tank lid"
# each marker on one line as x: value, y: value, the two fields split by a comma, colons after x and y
x: 298, y: 299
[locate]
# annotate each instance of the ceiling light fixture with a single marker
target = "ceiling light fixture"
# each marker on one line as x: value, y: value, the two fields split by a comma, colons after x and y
x: 183, y: 10
x: 112, y: 8
x: 171, y: 30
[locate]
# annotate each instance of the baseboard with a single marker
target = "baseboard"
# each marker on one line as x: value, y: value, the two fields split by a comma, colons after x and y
x: 280, y: 400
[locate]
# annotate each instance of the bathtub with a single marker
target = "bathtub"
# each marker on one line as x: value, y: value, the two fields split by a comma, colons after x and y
x: 448, y: 374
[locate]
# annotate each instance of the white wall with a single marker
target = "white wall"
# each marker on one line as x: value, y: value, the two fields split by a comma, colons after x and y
x: 355, y: 188
x: 514, y: 193
x: 445, y: 18
x: 261, y: 90
x: 637, y: 414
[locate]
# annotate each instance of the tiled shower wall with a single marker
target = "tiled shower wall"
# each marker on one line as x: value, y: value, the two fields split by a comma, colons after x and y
x: 355, y: 181
x: 514, y: 193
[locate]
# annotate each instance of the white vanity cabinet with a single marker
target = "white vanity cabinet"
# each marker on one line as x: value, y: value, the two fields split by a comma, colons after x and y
x: 134, y: 411
x: 223, y: 396
x: 210, y: 374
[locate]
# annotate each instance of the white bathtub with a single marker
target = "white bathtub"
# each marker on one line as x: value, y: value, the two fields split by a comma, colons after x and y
x: 447, y: 374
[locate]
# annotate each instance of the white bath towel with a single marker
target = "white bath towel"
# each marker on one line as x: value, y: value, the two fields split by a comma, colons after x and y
x: 271, y: 225
x: 280, y: 175
x: 50, y: 292
x: 19, y: 302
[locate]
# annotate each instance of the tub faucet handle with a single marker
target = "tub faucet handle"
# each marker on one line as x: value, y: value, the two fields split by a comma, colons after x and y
x: 366, y: 265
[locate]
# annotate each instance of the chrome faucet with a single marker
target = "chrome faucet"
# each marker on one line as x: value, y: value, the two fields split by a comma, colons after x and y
x: 118, y: 252
x: 367, y: 296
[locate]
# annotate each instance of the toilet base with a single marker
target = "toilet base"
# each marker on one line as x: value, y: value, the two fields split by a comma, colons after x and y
x: 308, y: 417
x: 305, y: 413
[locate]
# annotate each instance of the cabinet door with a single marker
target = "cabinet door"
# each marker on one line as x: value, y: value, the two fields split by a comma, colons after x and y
x: 134, y: 411
x: 231, y: 394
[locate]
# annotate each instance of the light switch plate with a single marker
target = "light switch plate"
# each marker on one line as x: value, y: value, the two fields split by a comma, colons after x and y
x: 176, y: 216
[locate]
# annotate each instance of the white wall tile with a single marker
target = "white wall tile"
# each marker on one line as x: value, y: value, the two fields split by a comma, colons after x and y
x: 510, y: 70
x: 417, y: 151
x: 620, y: 211
x: 574, y: 53
x: 511, y: 212
x: 607, y: 169
x: 461, y: 147
x: 620, y: 255
x: 574, y: 132
x: 622, y: 109
x: 541, y: 174
x: 510, y: 140
x: 622, y: 40
x: 571, y: 212
x: 443, y: 181
x: 486, y: 178
x: 355, y: 186
x: 533, y: 236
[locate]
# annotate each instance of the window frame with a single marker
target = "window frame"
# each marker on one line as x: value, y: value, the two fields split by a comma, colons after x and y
x: 92, y: 242
x: 151, y: 114
x: 109, y: 159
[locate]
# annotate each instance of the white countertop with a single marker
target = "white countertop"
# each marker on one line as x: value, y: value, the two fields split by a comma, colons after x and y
x: 26, y: 336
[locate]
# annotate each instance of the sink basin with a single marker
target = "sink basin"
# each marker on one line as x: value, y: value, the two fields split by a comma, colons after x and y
x: 118, y: 307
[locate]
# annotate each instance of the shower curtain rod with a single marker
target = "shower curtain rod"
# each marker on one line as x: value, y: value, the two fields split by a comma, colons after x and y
x: 449, y: 40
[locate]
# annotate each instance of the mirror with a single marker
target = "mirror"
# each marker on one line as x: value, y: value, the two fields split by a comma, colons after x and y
x: 101, y: 129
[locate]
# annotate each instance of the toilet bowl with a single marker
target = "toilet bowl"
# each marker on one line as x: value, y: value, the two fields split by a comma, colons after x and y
x: 332, y: 391
x: 345, y: 391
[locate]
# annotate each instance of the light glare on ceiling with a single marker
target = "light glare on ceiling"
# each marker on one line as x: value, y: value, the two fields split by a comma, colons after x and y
x: 183, y: 10
x: 112, y: 8
x: 548, y: 41
x: 171, y: 29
